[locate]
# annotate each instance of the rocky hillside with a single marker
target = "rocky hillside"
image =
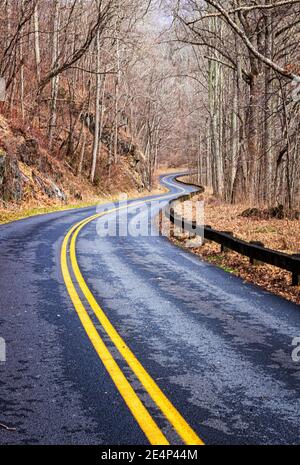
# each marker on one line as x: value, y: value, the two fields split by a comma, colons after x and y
x: 32, y: 176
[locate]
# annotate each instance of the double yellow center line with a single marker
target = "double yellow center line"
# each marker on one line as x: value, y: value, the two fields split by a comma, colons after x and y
x: 135, y: 405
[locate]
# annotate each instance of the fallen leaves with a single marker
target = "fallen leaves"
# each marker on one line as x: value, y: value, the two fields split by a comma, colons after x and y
x: 277, y: 234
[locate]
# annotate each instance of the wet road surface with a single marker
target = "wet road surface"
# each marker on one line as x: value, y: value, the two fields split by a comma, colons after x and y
x: 217, y: 348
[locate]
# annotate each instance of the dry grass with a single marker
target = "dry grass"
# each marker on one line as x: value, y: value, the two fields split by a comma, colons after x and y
x: 18, y: 213
x: 45, y: 205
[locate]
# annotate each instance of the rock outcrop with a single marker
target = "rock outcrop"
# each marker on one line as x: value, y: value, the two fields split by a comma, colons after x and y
x: 11, y: 179
x: 18, y: 151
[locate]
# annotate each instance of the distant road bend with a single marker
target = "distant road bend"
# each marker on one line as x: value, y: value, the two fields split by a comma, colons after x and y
x: 131, y: 340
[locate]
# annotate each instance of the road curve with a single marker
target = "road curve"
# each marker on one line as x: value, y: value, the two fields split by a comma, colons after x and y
x: 126, y: 339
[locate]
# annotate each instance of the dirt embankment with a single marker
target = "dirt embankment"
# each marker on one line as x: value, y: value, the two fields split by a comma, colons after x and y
x: 32, y: 180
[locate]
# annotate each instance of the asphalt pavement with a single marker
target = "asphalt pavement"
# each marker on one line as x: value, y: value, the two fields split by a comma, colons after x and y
x: 217, y: 350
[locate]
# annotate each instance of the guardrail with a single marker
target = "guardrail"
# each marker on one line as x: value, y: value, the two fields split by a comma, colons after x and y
x: 255, y: 251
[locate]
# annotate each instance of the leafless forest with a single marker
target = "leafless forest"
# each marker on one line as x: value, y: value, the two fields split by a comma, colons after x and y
x: 210, y: 83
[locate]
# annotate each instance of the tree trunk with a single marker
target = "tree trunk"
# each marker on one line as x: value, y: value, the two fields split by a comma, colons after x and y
x: 97, y: 110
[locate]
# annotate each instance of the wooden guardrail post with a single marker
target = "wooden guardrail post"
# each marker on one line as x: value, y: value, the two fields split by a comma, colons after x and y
x: 253, y: 261
x: 172, y: 222
x: 223, y: 247
x: 192, y: 231
x: 206, y: 226
x: 160, y: 224
x: 182, y: 225
x: 296, y: 275
x: 194, y: 220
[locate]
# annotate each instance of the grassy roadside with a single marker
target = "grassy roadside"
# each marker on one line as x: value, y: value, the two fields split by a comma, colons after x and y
x: 19, y: 212
x: 16, y: 212
x: 7, y: 216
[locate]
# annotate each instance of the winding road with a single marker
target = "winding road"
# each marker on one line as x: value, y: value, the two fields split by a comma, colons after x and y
x: 127, y: 339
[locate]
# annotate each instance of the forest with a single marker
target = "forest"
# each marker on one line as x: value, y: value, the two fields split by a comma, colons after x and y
x: 149, y: 227
x: 209, y: 84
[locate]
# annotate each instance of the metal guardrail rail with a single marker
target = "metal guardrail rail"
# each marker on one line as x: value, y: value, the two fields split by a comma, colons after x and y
x: 256, y: 252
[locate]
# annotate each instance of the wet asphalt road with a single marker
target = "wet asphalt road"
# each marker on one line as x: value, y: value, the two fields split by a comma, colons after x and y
x: 218, y: 348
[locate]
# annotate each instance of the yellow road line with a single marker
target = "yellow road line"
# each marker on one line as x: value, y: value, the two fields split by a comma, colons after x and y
x: 138, y: 410
x: 180, y: 425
